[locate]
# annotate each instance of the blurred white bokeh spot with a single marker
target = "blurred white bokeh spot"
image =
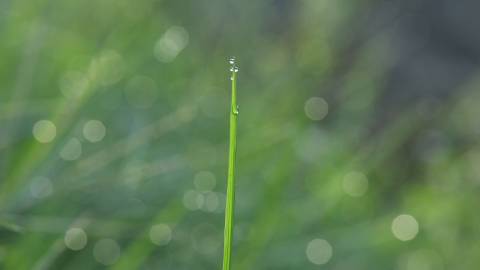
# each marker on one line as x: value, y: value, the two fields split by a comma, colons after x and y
x: 75, y: 239
x: 193, y: 200
x: 405, y: 227
x: 72, y: 150
x: 319, y: 251
x: 160, y: 234
x: 355, y: 184
x: 171, y: 44
x: 94, y: 131
x: 204, y: 180
x: 211, y: 203
x: 108, y: 68
x: 316, y: 108
x: 73, y: 84
x: 44, y: 131
x: 106, y: 251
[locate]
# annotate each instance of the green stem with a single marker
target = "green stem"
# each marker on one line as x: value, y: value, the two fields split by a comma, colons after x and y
x: 230, y: 202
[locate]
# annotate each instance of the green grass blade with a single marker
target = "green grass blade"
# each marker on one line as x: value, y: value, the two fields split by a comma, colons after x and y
x: 230, y: 202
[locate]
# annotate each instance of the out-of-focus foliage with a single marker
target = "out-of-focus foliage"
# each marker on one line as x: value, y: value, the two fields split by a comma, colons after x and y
x: 358, y: 134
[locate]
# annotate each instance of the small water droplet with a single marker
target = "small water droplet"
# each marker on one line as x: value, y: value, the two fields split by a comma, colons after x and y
x: 235, y: 69
x: 231, y: 60
x: 232, y: 69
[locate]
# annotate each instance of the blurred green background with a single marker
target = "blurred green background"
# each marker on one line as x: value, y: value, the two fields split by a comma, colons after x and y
x: 358, y: 134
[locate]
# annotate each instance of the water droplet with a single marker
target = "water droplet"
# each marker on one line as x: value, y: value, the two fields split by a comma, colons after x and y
x: 233, y: 67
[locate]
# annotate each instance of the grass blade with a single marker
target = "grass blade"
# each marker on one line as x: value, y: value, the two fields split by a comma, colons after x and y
x: 230, y: 202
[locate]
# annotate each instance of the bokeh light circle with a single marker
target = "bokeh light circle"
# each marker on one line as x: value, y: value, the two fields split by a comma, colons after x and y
x: 94, y: 131
x: 75, y: 239
x: 160, y: 234
x: 319, y: 251
x: 355, y: 184
x: 316, y: 108
x: 106, y: 251
x: 108, y: 68
x: 204, y: 180
x: 171, y: 44
x: 405, y: 227
x: 44, y: 131
x: 212, y: 202
x: 193, y: 200
x: 72, y: 150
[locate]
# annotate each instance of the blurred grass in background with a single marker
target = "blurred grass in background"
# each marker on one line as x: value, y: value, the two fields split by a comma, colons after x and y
x: 358, y: 134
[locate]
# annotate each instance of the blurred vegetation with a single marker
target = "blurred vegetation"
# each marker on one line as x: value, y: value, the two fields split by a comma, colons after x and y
x: 358, y: 135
